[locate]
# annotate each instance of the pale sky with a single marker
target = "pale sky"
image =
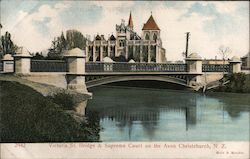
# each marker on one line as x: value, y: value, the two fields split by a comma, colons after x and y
x: 33, y: 24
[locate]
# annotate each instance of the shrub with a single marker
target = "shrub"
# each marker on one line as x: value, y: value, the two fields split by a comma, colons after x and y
x: 239, y: 83
x: 63, y: 99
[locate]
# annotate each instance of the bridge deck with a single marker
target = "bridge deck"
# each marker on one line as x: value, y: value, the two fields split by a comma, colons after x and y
x: 139, y: 73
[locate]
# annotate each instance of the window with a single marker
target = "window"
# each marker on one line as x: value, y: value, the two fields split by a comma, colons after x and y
x: 147, y: 36
x: 121, y: 43
x: 155, y: 37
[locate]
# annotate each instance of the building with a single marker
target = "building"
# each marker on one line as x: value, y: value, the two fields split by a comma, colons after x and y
x: 246, y: 61
x: 127, y: 45
x: 215, y: 61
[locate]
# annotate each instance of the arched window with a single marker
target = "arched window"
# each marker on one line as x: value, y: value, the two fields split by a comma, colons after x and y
x: 155, y: 37
x: 147, y: 36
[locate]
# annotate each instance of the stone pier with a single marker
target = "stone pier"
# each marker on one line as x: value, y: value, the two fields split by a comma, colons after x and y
x: 76, y: 75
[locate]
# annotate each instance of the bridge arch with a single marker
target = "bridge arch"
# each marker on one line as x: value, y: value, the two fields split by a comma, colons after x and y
x: 113, y: 79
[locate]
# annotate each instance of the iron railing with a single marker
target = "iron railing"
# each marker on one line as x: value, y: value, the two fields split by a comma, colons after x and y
x: 245, y: 68
x: 134, y: 67
x: 215, y: 68
x: 1, y: 66
x: 61, y: 66
x: 48, y: 66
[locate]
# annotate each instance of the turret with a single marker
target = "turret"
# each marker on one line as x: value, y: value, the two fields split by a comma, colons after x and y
x: 150, y: 30
x: 130, y: 22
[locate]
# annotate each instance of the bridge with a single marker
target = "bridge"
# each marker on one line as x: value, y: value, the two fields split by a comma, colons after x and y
x: 75, y: 73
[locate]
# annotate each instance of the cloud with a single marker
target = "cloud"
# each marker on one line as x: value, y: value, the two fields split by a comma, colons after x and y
x: 211, y: 24
x: 225, y: 7
x: 35, y: 30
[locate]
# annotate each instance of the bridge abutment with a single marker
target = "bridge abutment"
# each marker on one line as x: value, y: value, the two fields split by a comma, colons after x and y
x: 194, y: 66
x: 8, y: 63
x: 22, y: 60
x: 76, y: 70
x: 235, y: 65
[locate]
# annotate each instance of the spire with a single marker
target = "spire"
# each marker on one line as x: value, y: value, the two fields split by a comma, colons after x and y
x: 151, y: 24
x: 130, y: 21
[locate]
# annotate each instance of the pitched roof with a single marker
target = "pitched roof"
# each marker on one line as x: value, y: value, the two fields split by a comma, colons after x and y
x: 98, y: 37
x: 112, y: 37
x: 151, y: 24
x: 130, y: 21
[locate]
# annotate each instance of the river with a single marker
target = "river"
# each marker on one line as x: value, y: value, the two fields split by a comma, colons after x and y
x: 138, y: 114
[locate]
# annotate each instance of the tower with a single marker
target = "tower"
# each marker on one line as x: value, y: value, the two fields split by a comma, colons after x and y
x: 151, y: 32
x: 130, y: 22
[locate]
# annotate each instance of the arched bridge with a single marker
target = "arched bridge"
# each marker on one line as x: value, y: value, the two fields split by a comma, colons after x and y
x: 192, y: 75
x: 100, y: 80
x: 104, y: 73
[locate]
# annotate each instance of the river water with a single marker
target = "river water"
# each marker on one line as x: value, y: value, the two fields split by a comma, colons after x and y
x: 137, y: 114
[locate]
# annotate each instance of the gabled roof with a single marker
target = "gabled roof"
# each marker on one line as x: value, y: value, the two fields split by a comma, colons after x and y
x: 151, y: 24
x: 112, y: 37
x: 98, y: 37
x: 130, y: 21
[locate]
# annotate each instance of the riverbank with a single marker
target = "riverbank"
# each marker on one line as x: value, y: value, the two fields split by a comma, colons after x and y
x: 239, y: 83
x: 28, y: 116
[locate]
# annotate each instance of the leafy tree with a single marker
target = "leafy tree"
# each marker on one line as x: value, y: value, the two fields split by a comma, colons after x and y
x: 239, y: 83
x: 38, y: 56
x: 246, y: 86
x: 7, y: 45
x: 73, y: 39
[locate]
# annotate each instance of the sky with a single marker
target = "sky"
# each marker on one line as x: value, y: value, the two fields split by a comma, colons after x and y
x: 33, y: 23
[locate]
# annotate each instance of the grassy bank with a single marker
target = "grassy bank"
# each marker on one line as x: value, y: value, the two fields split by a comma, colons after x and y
x: 28, y: 116
x: 239, y: 83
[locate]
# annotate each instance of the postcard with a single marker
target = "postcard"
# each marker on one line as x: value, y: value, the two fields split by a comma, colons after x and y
x: 124, y: 79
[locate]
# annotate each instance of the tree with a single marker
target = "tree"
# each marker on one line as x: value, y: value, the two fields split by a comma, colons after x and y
x: 38, y: 56
x: 73, y: 39
x: 7, y: 45
x: 224, y: 52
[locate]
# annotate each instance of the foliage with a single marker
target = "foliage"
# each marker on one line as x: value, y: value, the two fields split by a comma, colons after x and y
x: 72, y: 40
x: 75, y: 39
x: 239, y: 83
x: 7, y: 46
x: 120, y: 58
x: 38, y: 56
x: 27, y: 116
x: 63, y: 99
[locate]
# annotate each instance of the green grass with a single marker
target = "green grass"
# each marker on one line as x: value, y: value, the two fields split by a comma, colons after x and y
x: 28, y: 116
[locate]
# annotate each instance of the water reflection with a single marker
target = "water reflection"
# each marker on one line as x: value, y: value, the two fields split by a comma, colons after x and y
x: 234, y: 104
x: 146, y: 115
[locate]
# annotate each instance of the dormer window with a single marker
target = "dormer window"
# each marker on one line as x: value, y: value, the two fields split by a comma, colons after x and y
x: 147, y: 36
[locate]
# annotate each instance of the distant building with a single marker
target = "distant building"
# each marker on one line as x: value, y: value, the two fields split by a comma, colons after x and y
x: 127, y: 44
x: 215, y: 61
x: 246, y: 60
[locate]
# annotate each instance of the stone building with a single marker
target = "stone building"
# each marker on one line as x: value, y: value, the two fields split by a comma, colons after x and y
x: 246, y: 60
x: 215, y: 61
x: 127, y: 45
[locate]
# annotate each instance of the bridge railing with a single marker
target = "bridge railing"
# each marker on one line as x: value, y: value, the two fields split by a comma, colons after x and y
x: 245, y: 68
x: 48, y: 66
x: 215, y: 68
x: 1, y: 66
x: 61, y: 66
x: 134, y: 67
